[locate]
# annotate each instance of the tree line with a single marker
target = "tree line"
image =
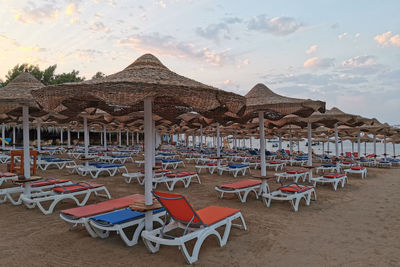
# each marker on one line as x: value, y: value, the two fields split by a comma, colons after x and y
x: 46, y: 76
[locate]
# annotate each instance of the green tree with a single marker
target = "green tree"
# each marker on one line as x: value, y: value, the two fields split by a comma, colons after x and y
x: 98, y: 75
x: 47, y: 76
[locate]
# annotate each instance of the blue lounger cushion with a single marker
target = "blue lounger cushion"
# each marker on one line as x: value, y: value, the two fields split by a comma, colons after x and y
x: 328, y: 165
x: 109, y: 165
x: 237, y: 165
x: 170, y: 160
x: 120, y: 216
x: 55, y: 160
x: 119, y: 156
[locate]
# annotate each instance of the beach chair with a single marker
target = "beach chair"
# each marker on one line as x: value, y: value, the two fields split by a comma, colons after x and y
x: 61, y: 193
x: 80, y: 216
x: 294, y: 174
x: 241, y: 189
x: 333, y: 178
x: 167, y: 163
x: 139, y: 176
x: 357, y: 169
x: 293, y: 193
x: 45, y: 162
x: 196, y: 225
x: 384, y: 164
x: 96, y: 168
x: 120, y: 221
x: 7, y: 176
x: 170, y: 179
x: 330, y: 167
x: 211, y: 167
x: 234, y: 169
x: 13, y: 194
x: 275, y: 164
x: 254, y: 163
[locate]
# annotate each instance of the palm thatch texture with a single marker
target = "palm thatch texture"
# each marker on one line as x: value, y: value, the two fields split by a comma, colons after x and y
x: 17, y: 93
x: 274, y: 106
x: 123, y: 93
x: 333, y: 116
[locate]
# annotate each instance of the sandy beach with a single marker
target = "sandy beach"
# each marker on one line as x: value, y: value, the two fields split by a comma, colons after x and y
x: 359, y: 225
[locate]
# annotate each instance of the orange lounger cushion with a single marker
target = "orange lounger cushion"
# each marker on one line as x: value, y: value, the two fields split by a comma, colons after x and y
x: 358, y: 168
x: 213, y: 214
x: 333, y: 175
x: 49, y: 182
x: 157, y: 171
x: 180, y: 174
x: 241, y: 184
x: 254, y: 161
x: 294, y: 188
x: 75, y: 187
x: 103, y: 207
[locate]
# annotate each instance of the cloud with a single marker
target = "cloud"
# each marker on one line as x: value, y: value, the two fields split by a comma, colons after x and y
x: 212, y: 31
x: 357, y: 35
x: 387, y: 38
x: 278, y: 26
x: 168, y: 45
x: 99, y: 27
x: 162, y: 4
x: 232, y: 20
x: 359, y: 61
x: 319, y: 63
x: 32, y: 14
x: 71, y: 9
x: 312, y: 49
x: 343, y: 35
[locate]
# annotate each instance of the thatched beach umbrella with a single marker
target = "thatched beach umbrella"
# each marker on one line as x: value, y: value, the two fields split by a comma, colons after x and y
x: 16, y: 99
x: 262, y: 102
x: 146, y: 85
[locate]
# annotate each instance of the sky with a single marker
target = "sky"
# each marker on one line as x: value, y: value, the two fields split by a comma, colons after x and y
x: 346, y: 53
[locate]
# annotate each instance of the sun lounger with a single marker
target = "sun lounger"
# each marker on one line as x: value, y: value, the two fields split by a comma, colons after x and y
x: 115, y: 159
x: 327, y: 167
x: 167, y: 163
x: 333, y: 178
x: 64, y: 192
x: 13, y: 194
x: 234, y: 169
x: 7, y: 176
x: 96, y: 168
x: 197, y: 225
x: 357, y: 169
x: 139, y: 176
x: 211, y: 167
x: 292, y: 193
x: 241, y: 189
x: 4, y: 158
x: 384, y: 164
x: 75, y: 217
x: 120, y: 220
x: 45, y: 162
x: 170, y: 179
x: 294, y: 174
x: 275, y: 164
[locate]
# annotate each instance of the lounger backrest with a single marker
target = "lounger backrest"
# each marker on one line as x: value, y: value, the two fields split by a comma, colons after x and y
x: 178, y: 208
x: 348, y: 154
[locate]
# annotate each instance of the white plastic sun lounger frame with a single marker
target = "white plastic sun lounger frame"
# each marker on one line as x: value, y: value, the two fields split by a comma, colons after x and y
x: 5, y: 179
x: 4, y: 158
x: 293, y: 198
x: 276, y: 166
x: 234, y: 171
x: 44, y: 165
x: 103, y: 231
x: 294, y: 176
x: 139, y: 176
x: 334, y: 181
x: 171, y: 181
x: 166, y: 165
x: 111, y: 159
x: 153, y: 239
x: 36, y: 199
x: 95, y: 171
x: 363, y: 172
x: 242, y: 193
x: 329, y: 169
x: 7, y: 193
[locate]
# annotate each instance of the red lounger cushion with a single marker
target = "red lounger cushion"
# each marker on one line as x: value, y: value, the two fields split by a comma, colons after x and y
x: 274, y: 162
x: 333, y: 175
x: 75, y: 187
x: 346, y: 162
x: 7, y: 174
x: 358, y: 168
x: 180, y: 174
x: 294, y: 188
x: 49, y: 182
x: 103, y: 207
x: 241, y: 184
x: 157, y: 171
x: 254, y: 161
x: 214, y: 214
x: 296, y: 171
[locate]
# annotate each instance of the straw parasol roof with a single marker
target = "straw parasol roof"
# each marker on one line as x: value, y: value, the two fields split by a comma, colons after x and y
x: 124, y: 92
x: 261, y: 98
x: 17, y: 93
x: 332, y: 116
